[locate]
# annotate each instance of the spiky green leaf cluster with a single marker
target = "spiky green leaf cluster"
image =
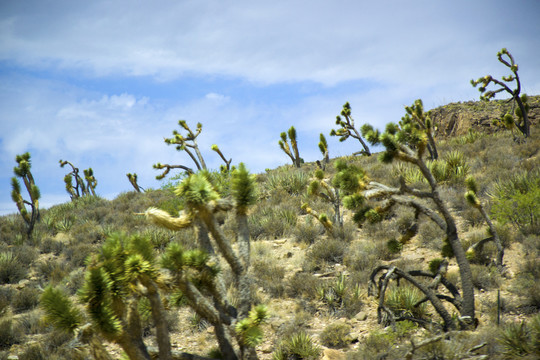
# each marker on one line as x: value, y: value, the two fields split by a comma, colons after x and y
x: 243, y: 188
x: 249, y: 329
x: 59, y: 310
x: 196, y: 190
x: 349, y: 178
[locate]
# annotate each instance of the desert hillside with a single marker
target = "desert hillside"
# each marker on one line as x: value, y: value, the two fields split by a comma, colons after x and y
x: 313, y: 271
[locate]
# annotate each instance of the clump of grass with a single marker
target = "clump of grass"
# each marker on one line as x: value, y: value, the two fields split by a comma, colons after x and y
x: 521, y: 339
x: 12, y: 270
x: 402, y: 299
x: 307, y: 231
x: 270, y: 276
x: 10, y: 332
x: 336, y: 335
x: 485, y: 277
x: 297, y: 346
x: 25, y: 299
x: 324, y: 252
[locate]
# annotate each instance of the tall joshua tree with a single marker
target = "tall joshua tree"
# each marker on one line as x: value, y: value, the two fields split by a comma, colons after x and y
x: 522, y: 122
x: 202, y: 201
x: 292, y: 150
x: 22, y: 171
x: 409, y: 146
x: 347, y: 129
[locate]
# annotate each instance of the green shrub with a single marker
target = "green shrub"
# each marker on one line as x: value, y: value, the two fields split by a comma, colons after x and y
x: 324, y: 252
x: 292, y: 182
x: 297, y: 346
x: 401, y: 300
x: 517, y: 201
x: 521, y: 339
x: 485, y: 277
x: 12, y: 270
x: 307, y: 231
x: 25, y: 299
x: 10, y: 332
x: 336, y: 335
x: 269, y: 276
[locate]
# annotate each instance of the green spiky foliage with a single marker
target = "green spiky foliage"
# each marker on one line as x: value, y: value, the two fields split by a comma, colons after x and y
x: 343, y: 189
x: 117, y: 279
x: 473, y: 200
x: 347, y: 129
x: 292, y: 149
x: 521, y: 119
x: 133, y: 181
x: 417, y: 118
x: 409, y: 145
x: 196, y: 274
x: 323, y: 147
x: 22, y: 171
x: 79, y: 188
x: 59, y: 310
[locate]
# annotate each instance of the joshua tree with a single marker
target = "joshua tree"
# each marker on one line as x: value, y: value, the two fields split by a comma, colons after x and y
x: 522, y: 122
x: 188, y: 143
x: 202, y: 201
x: 133, y: 180
x: 344, y: 188
x: 127, y: 270
x: 347, y: 129
x: 80, y: 188
x: 409, y: 146
x: 292, y: 150
x: 23, y: 171
x: 323, y: 147
x: 417, y: 118
x: 472, y: 198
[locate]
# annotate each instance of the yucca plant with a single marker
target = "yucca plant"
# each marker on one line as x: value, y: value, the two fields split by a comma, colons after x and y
x: 298, y: 346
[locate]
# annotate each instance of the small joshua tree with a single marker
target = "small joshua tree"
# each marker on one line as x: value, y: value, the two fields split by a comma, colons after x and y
x: 292, y: 150
x: 133, y: 181
x: 417, y: 118
x: 472, y: 199
x: 23, y: 172
x: 80, y: 188
x: 347, y: 129
x: 344, y: 188
x: 409, y: 146
x: 188, y: 143
x: 323, y: 147
x: 522, y: 122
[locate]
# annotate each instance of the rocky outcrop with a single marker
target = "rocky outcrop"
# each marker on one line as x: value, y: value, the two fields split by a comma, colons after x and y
x: 456, y: 119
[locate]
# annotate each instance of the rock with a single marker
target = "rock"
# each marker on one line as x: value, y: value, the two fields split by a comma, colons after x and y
x: 361, y: 316
x: 331, y: 354
x: 267, y: 349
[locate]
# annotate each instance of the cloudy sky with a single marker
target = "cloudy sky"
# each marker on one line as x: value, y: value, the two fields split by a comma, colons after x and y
x: 101, y: 83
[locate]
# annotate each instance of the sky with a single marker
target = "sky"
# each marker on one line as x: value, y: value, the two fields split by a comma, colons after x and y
x: 101, y: 83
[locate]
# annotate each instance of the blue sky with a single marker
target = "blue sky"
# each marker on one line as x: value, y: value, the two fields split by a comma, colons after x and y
x: 101, y: 83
